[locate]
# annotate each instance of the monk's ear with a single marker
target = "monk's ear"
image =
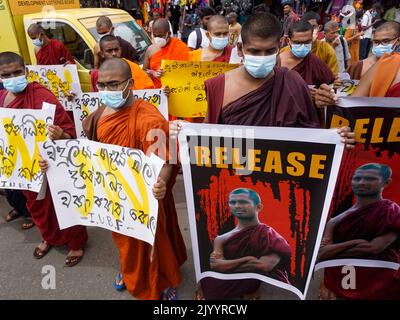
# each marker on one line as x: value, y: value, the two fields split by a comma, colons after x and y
x: 131, y: 82
x: 208, y: 35
x: 239, y: 46
x: 387, y: 182
x: 259, y: 207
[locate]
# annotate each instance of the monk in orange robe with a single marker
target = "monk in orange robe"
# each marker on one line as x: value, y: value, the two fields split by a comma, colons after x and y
x: 48, y: 51
x: 147, y: 272
x: 111, y: 48
x: 164, y: 48
x: 381, y: 80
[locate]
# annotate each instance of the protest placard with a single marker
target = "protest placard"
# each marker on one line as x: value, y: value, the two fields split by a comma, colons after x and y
x: 20, y: 132
x: 376, y: 124
x: 256, y: 194
x: 58, y: 79
x: 185, y: 79
x: 87, y: 102
x: 107, y: 186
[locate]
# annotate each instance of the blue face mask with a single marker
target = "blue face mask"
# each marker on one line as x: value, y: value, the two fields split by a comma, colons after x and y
x: 37, y: 42
x: 380, y: 50
x: 16, y: 84
x: 219, y: 43
x: 114, y: 99
x: 301, y: 50
x: 259, y: 66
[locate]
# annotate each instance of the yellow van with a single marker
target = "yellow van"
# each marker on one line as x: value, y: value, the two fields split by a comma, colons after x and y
x: 76, y: 28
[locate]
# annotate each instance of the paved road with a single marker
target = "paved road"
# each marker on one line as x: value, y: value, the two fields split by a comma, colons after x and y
x: 21, y: 274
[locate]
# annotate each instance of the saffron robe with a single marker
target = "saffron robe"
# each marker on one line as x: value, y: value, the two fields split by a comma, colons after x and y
x: 367, y: 223
x: 145, y: 273
x: 140, y: 78
x: 256, y: 241
x: 195, y: 55
x: 42, y: 211
x: 54, y: 53
x: 386, y: 72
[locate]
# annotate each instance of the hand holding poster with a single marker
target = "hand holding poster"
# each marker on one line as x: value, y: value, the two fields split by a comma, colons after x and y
x: 20, y: 132
x: 186, y: 82
x: 364, y: 230
x: 58, y: 79
x: 258, y: 199
x: 87, y: 102
x: 107, y: 186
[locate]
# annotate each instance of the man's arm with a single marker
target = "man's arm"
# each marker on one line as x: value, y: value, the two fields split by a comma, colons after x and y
x: 264, y: 264
x: 146, y: 59
x: 364, y: 86
x: 374, y: 247
x: 335, y: 250
x: 96, y: 53
x: 222, y: 265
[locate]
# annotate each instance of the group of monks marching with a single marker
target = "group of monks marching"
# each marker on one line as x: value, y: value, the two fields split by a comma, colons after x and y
x: 269, y: 88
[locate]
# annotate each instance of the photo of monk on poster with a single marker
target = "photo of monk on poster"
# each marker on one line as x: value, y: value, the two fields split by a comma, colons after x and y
x: 251, y: 246
x: 370, y: 229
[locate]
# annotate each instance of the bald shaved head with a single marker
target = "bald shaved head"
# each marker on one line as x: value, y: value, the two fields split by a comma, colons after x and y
x: 217, y: 19
x: 332, y: 25
x: 35, y: 29
x: 161, y: 26
x: 390, y: 26
x: 119, y: 67
x: 11, y: 57
x: 104, y: 21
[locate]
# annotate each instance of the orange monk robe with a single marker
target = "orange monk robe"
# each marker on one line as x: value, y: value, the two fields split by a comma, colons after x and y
x: 196, y: 55
x: 175, y: 50
x: 140, y: 77
x: 387, y: 69
x: 354, y: 45
x: 146, y: 274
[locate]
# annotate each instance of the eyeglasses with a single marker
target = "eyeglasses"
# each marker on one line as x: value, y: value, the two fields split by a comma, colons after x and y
x: 112, y: 85
x: 383, y: 42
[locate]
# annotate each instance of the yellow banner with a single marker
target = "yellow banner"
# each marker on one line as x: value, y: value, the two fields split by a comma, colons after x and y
x: 186, y: 82
x: 19, y: 7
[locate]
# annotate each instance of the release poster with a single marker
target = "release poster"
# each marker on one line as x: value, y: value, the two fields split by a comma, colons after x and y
x: 258, y: 199
x: 364, y: 227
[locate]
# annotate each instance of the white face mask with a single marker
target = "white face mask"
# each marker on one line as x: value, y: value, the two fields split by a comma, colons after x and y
x: 161, y: 42
x: 259, y: 66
